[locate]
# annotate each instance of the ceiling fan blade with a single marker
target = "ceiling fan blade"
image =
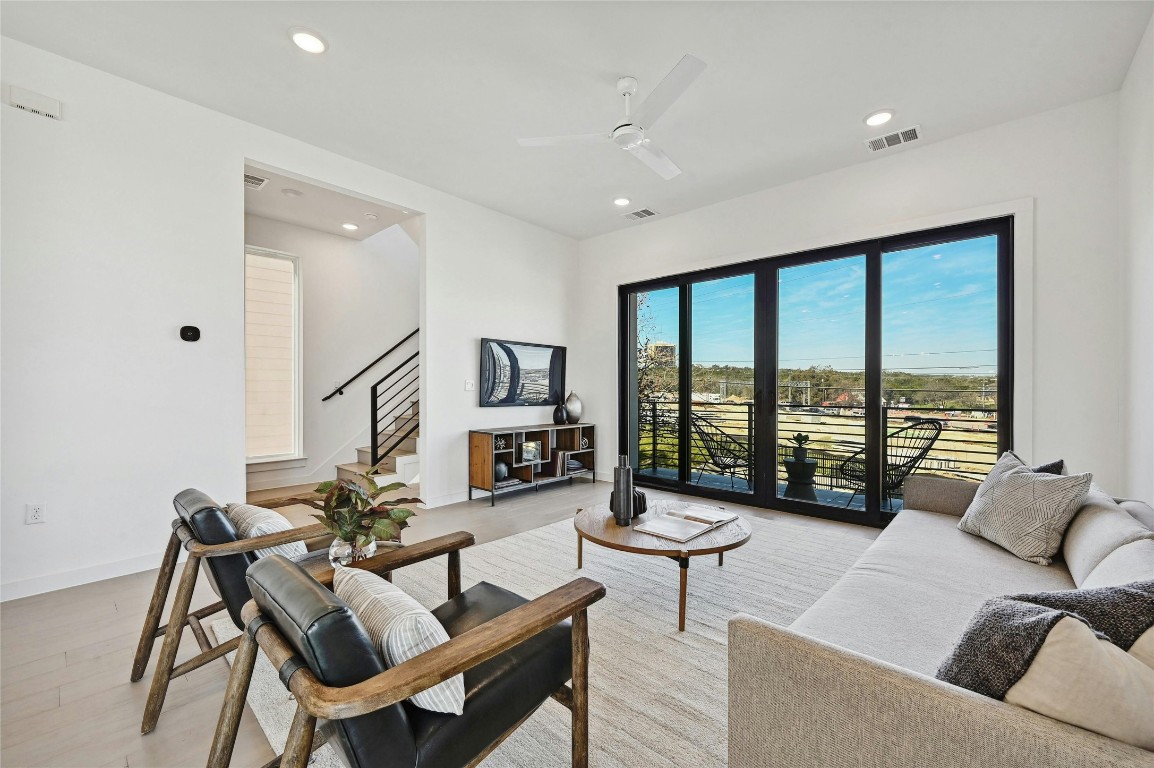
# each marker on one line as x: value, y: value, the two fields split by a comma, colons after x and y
x: 657, y: 160
x: 557, y: 141
x: 668, y: 91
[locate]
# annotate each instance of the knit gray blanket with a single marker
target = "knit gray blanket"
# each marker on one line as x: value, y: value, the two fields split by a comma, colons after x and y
x: 1006, y: 633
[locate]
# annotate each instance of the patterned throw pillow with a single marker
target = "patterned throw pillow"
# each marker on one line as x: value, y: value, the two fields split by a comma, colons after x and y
x: 1085, y: 657
x: 401, y: 629
x: 1026, y: 512
x: 252, y: 521
x: 1009, y: 462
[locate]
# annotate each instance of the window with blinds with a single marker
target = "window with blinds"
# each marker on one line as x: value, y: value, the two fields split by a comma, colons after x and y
x: 271, y: 356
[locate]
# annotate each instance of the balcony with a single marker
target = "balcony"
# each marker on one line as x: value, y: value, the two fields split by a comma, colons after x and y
x: 721, y: 446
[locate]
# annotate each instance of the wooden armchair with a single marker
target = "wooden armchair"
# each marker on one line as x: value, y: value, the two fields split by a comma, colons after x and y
x: 514, y: 654
x: 206, y: 533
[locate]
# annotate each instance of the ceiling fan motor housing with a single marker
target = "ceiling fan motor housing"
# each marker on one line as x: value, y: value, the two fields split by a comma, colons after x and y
x: 628, y: 136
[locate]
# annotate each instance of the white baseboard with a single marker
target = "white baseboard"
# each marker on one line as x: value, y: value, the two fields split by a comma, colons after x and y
x: 38, y: 585
x: 450, y: 498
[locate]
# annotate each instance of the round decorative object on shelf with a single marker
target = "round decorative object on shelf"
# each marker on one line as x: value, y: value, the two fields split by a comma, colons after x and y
x: 575, y: 407
x: 499, y: 443
x: 500, y: 471
x: 584, y: 443
x: 560, y: 414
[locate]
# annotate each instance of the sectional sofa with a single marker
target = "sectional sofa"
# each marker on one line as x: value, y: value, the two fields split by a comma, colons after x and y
x: 851, y: 682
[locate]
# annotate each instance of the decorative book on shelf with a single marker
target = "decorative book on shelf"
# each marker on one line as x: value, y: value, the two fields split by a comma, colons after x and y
x: 685, y: 524
x: 532, y: 456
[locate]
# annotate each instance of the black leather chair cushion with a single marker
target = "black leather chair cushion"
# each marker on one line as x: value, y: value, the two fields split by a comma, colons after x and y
x: 499, y: 692
x: 332, y: 641
x: 210, y: 525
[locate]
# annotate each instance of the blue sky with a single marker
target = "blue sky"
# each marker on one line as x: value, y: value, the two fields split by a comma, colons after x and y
x: 939, y: 307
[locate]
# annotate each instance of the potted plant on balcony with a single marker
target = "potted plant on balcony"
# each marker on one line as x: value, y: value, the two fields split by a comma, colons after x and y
x: 358, y: 517
x: 800, y: 452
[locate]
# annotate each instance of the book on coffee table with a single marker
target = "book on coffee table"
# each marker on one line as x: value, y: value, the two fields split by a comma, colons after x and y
x: 685, y: 524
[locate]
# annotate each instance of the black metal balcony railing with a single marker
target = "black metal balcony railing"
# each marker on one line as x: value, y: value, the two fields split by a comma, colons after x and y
x: 966, y: 448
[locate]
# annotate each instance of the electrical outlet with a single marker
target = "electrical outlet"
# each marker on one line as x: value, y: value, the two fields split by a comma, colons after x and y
x: 33, y: 514
x: 470, y: 385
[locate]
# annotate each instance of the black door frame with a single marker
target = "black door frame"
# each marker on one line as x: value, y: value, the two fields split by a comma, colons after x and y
x: 765, y: 273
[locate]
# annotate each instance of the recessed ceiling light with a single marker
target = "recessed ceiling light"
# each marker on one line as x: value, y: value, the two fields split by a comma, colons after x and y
x: 881, y: 117
x: 371, y: 216
x: 621, y: 201
x: 290, y: 192
x: 350, y: 226
x: 308, y: 41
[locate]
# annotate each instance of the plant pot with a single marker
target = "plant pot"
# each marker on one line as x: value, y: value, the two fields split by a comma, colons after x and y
x: 800, y: 454
x: 342, y: 552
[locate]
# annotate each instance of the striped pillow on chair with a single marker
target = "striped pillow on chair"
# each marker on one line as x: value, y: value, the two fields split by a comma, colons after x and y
x: 401, y: 628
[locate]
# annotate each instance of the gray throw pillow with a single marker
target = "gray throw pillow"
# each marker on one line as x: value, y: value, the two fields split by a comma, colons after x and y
x: 1026, y: 512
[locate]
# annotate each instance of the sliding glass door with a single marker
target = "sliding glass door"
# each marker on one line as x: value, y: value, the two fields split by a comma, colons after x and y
x: 818, y: 382
x: 821, y: 382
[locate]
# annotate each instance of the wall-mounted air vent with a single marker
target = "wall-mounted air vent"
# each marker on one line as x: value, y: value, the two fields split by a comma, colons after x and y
x: 34, y: 103
x: 640, y: 213
x: 254, y: 182
x: 897, y: 138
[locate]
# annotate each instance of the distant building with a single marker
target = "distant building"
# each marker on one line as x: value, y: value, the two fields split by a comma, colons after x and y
x: 661, y: 353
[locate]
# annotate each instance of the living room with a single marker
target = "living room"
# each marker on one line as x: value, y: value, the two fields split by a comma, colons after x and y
x: 1026, y: 127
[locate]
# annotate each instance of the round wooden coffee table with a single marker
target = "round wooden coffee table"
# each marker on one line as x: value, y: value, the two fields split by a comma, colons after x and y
x: 596, y: 524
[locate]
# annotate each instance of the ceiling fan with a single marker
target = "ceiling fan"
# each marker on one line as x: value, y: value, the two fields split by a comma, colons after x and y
x: 630, y: 132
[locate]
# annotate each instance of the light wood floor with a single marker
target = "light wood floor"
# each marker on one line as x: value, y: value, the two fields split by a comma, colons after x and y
x: 65, y: 656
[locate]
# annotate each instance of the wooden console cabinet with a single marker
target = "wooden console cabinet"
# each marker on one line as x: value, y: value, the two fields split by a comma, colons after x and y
x: 559, y: 444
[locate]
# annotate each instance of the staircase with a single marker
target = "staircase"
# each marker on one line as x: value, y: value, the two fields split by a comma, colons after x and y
x: 395, y: 422
x: 402, y: 464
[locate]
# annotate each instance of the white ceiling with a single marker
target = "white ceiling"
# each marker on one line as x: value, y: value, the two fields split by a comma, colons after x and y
x: 317, y: 207
x: 439, y: 91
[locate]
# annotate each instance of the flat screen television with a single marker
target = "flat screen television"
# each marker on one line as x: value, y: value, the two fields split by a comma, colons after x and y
x: 521, y: 373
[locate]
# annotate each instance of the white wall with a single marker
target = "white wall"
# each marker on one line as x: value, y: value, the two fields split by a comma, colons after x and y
x: 123, y: 222
x: 358, y: 298
x: 1136, y: 164
x: 1065, y: 160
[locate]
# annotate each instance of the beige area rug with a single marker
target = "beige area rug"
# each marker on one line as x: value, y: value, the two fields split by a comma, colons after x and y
x: 657, y: 696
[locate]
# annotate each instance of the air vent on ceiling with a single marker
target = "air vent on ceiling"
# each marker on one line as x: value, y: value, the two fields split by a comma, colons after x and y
x: 254, y: 182
x: 34, y: 103
x: 895, y: 139
x: 640, y: 213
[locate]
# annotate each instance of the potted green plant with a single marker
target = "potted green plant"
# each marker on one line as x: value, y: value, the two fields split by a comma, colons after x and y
x: 800, y: 452
x: 356, y: 515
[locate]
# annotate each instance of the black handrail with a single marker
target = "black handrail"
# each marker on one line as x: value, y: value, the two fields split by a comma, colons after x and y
x: 408, y: 392
x: 341, y: 389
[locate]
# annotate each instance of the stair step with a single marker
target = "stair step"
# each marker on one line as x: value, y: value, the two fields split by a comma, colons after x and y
x: 355, y: 470
x: 406, y: 446
x: 387, y: 465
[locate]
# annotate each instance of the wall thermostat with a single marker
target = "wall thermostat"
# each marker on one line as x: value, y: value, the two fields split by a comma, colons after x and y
x: 190, y: 333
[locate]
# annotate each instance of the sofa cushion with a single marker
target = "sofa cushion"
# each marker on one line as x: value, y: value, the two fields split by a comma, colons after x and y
x: 1026, y: 512
x: 1125, y: 565
x: 1139, y: 510
x: 1065, y: 655
x: 252, y: 521
x: 1100, y: 527
x: 910, y: 595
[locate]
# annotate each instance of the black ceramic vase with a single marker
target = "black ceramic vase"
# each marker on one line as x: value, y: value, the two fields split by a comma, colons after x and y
x: 560, y: 414
x: 621, y: 501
